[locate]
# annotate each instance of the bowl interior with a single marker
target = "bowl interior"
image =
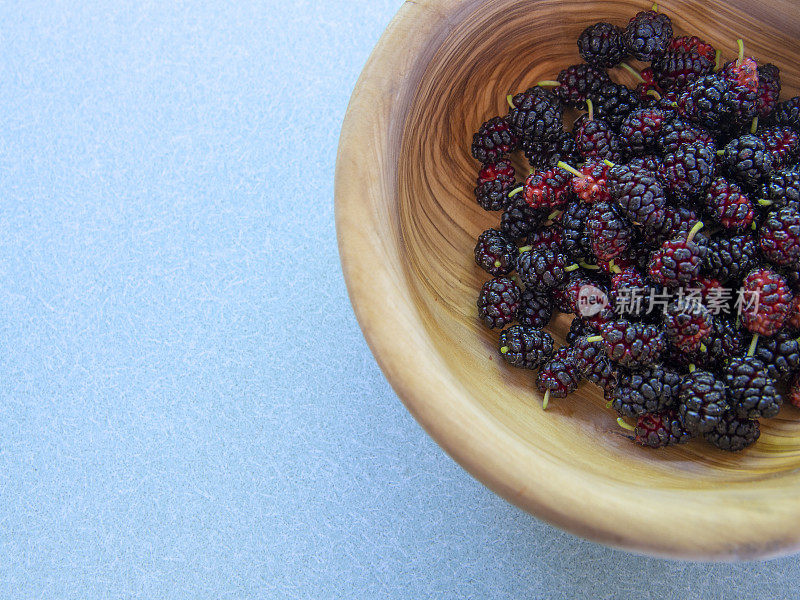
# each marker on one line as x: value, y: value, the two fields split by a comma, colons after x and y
x: 572, y: 464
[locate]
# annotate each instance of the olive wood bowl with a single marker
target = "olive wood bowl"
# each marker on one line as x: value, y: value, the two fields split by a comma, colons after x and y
x: 407, y: 222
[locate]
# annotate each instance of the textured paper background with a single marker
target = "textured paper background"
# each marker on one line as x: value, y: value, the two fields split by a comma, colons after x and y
x: 188, y: 407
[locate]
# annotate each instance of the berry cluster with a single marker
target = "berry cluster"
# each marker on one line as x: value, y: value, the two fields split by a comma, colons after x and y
x: 691, y: 181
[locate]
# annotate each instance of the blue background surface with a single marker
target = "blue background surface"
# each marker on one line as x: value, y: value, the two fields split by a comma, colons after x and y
x: 189, y: 409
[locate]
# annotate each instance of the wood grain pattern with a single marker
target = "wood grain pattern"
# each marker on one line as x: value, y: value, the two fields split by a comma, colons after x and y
x: 407, y: 221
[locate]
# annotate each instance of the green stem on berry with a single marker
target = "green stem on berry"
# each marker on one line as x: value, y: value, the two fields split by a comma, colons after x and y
x: 590, y: 106
x: 632, y: 71
x: 614, y: 267
x: 510, y: 100
x: 609, y: 404
x: 625, y: 425
x: 504, y: 350
x: 655, y: 7
x: 569, y: 169
x: 549, y: 83
x: 654, y: 94
x: 554, y: 215
x: 753, y: 226
x: 692, y: 368
x: 497, y: 264
x: 718, y: 61
x: 740, y: 43
x: 585, y: 265
x: 752, y: 350
x: 608, y: 163
x: 703, y: 348
x: 720, y: 152
x: 571, y: 268
x: 694, y: 231
x: 525, y: 249
x: 754, y: 126
x: 594, y: 338
x: 765, y: 202
x: 515, y: 191
x: 546, y: 400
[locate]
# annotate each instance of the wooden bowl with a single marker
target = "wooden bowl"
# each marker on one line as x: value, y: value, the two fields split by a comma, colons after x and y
x: 407, y: 223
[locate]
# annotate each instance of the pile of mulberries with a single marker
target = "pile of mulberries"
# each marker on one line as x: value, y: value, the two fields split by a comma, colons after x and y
x: 663, y: 220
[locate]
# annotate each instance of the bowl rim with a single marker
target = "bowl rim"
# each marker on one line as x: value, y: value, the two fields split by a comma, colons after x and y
x: 565, y: 497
